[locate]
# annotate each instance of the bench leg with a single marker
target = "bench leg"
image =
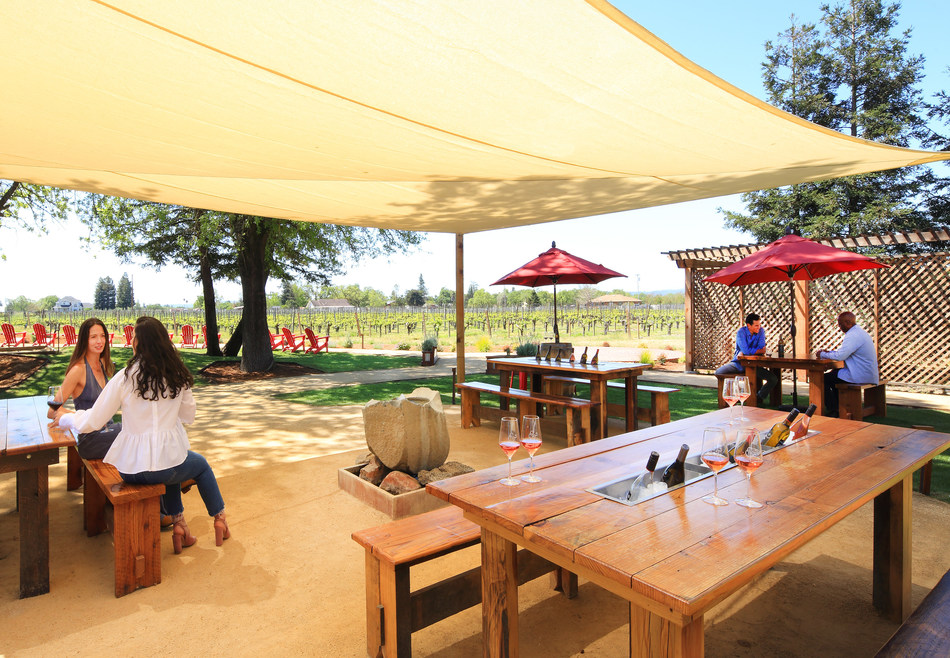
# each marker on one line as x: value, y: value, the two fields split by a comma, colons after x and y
x: 553, y: 388
x: 471, y: 401
x: 93, y: 508
x: 659, y: 408
x: 137, y: 543
x: 849, y: 404
x: 74, y: 469
x: 564, y: 581
x: 388, y: 632
x: 875, y: 397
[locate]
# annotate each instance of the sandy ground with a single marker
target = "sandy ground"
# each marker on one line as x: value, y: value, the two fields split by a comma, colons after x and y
x: 290, y: 580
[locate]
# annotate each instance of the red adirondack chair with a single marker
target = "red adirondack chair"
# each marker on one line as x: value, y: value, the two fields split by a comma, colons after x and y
x: 69, y: 333
x: 276, y: 340
x: 317, y: 343
x: 188, y: 338
x: 41, y: 338
x: 12, y: 337
x: 204, y: 336
x: 129, y: 332
x: 293, y: 342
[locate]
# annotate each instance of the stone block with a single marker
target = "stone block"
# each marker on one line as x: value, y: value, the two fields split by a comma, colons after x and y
x: 409, y: 433
x: 398, y: 482
x: 446, y: 470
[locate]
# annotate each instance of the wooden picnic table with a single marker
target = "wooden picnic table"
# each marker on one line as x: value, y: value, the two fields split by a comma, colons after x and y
x: 28, y: 446
x: 673, y: 557
x: 598, y: 376
x: 816, y: 374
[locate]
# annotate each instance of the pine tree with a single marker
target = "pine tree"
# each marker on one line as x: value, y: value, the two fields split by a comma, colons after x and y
x: 104, y: 298
x: 124, y: 297
x: 856, y: 77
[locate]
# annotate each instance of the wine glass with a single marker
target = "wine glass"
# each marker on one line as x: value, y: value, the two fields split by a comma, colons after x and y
x: 508, y: 440
x: 54, y: 398
x: 748, y: 458
x: 715, y: 455
x: 531, y: 441
x: 743, y: 390
x: 731, y: 395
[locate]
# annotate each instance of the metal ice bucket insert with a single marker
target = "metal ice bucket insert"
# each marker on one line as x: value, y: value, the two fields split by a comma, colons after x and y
x: 617, y: 489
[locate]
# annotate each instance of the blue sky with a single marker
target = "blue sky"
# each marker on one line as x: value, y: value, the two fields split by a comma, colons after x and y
x: 725, y: 38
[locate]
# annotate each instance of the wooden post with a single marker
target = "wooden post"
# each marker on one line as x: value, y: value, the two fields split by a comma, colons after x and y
x: 802, y: 325
x: 689, y: 324
x: 877, y: 316
x: 459, y: 307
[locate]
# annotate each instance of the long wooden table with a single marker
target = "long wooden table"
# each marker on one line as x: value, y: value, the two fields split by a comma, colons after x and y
x: 673, y: 557
x: 28, y: 446
x: 816, y: 374
x: 598, y: 375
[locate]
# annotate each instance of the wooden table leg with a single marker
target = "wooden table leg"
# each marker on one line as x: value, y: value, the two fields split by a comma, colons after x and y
x: 32, y: 486
x: 504, y: 381
x: 892, y: 550
x: 598, y: 393
x: 753, y: 399
x: 816, y: 390
x: 499, y: 596
x: 630, y: 403
x: 652, y: 635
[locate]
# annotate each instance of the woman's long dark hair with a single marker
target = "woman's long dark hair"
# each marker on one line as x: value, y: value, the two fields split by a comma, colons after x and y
x: 82, y: 345
x: 160, y: 368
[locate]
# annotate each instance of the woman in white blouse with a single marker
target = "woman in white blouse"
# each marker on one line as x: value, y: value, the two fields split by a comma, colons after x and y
x: 154, y: 393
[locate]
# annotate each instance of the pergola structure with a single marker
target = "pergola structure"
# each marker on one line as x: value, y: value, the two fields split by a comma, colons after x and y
x: 431, y: 116
x: 903, y: 307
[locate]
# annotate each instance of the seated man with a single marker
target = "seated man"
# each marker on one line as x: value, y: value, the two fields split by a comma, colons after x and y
x: 750, y: 340
x: 860, y: 360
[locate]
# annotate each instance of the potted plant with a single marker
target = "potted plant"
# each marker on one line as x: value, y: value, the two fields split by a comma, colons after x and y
x: 429, y: 347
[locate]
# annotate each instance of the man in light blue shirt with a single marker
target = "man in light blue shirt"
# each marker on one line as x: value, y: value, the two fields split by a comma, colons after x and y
x: 860, y: 360
x: 750, y: 340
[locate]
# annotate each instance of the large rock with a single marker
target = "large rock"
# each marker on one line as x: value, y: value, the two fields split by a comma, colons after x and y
x: 408, y: 433
x: 446, y: 470
x: 374, y: 471
x: 398, y: 482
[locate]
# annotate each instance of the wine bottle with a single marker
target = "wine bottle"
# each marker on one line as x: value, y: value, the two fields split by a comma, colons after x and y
x: 537, y: 354
x: 572, y: 357
x: 547, y: 354
x: 736, y: 449
x: 675, y: 473
x: 641, y: 486
x: 595, y: 358
x: 780, y: 431
x: 800, y: 428
x: 781, y: 348
x: 584, y: 357
x: 557, y: 357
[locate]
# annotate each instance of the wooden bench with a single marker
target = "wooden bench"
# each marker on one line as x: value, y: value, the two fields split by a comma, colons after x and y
x: 656, y: 414
x: 927, y: 631
x: 851, y: 406
x: 577, y: 410
x: 393, y: 610
x: 131, y: 512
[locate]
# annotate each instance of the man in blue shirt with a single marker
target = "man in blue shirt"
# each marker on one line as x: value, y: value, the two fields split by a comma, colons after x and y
x: 750, y: 340
x: 860, y: 360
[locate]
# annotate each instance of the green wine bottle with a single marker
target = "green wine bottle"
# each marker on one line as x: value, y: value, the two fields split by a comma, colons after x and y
x: 780, y: 431
x: 675, y: 473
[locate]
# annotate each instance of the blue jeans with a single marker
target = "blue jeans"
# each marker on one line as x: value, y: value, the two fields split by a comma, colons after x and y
x: 194, y: 467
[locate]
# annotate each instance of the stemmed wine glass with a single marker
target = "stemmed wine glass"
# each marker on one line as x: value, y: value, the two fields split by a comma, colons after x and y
x: 748, y: 458
x: 743, y: 391
x: 54, y: 398
x: 508, y: 440
x: 531, y: 441
x: 731, y: 395
x: 715, y: 455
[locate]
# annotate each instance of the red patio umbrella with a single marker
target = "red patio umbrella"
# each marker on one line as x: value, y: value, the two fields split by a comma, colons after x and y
x: 792, y: 258
x: 556, y: 266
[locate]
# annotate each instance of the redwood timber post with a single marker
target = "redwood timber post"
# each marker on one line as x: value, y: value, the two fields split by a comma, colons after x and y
x: 459, y: 308
x: 802, y: 325
x: 689, y: 324
x: 877, y: 316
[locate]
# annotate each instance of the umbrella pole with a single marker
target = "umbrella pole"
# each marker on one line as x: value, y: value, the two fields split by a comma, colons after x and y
x: 557, y: 336
x: 791, y: 290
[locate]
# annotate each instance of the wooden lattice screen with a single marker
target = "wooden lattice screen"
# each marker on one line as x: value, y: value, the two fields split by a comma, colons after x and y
x: 904, y: 307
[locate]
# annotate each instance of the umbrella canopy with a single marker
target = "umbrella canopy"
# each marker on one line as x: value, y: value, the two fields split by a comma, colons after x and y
x: 792, y: 258
x: 556, y: 266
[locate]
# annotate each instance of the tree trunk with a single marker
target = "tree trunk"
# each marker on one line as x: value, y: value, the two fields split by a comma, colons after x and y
x: 257, y: 355
x: 211, y: 312
x: 233, y: 346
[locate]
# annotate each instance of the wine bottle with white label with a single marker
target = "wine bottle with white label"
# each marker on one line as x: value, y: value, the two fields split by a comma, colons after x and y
x: 641, y: 486
x: 781, y: 430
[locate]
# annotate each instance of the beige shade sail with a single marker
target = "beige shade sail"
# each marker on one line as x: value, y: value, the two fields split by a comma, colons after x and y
x: 425, y: 115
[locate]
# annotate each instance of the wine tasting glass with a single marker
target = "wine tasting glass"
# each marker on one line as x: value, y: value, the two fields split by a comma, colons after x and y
x: 715, y: 455
x: 54, y: 398
x: 748, y: 458
x: 731, y: 395
x: 508, y: 440
x: 531, y: 441
x: 743, y: 391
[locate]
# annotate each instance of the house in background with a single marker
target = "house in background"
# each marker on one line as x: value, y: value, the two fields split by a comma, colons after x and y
x: 330, y: 304
x: 70, y: 304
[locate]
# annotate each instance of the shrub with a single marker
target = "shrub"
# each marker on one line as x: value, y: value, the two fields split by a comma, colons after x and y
x: 507, y: 350
x: 403, y: 346
x: 669, y: 348
x: 646, y: 357
x: 526, y: 349
x: 661, y: 358
x: 430, y: 343
x: 348, y: 343
x: 483, y: 344
x: 642, y: 345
